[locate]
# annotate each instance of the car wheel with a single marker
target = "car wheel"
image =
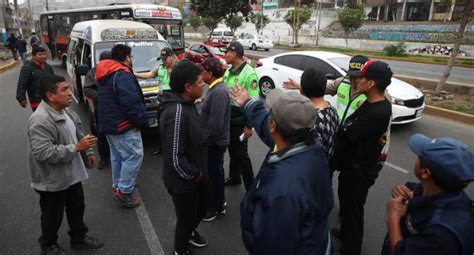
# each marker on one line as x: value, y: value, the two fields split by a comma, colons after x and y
x: 267, y: 49
x: 254, y: 47
x: 266, y: 84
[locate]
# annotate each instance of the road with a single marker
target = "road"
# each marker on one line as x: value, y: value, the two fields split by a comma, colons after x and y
x: 461, y: 75
x: 150, y: 227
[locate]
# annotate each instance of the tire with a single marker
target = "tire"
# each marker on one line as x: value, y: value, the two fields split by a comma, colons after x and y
x: 265, y: 84
x: 254, y: 47
x: 267, y: 49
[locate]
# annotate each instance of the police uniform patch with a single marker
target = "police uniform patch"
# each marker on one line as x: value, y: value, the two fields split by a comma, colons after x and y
x: 254, y: 85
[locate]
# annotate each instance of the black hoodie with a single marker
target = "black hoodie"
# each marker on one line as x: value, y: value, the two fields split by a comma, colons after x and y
x: 184, y: 144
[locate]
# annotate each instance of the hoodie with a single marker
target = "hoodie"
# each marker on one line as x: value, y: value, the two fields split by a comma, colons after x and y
x: 184, y: 145
x: 120, y: 103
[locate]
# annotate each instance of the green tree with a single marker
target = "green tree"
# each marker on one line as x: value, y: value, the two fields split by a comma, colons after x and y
x: 233, y: 22
x: 259, y: 20
x: 296, y: 18
x: 213, y: 11
x: 195, y: 22
x: 351, y: 19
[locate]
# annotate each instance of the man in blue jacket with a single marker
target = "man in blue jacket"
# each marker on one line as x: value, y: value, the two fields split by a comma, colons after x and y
x: 434, y: 216
x: 287, y: 207
x: 122, y: 113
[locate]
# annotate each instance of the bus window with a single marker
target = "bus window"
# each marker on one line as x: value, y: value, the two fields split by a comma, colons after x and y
x: 87, y: 56
x: 44, y: 24
x: 67, y: 24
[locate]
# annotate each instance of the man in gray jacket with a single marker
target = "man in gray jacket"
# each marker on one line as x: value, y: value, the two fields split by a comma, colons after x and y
x: 55, y: 144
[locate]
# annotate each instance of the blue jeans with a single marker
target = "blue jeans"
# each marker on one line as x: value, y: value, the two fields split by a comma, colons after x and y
x: 23, y: 56
x: 126, y: 156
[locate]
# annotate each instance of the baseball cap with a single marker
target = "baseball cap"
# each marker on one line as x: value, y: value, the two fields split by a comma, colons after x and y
x: 237, y: 47
x: 214, y: 66
x: 105, y: 55
x: 449, y: 160
x: 291, y: 110
x: 356, y: 63
x: 164, y: 53
x: 375, y: 69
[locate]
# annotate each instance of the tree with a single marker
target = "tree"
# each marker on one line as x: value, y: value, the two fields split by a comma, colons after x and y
x: 213, y: 11
x: 195, y: 22
x: 211, y: 24
x: 457, y: 42
x: 233, y: 22
x: 302, y: 16
x: 351, y: 19
x: 259, y: 20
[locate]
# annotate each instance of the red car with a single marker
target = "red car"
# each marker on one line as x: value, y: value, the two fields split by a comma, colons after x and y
x: 199, y: 52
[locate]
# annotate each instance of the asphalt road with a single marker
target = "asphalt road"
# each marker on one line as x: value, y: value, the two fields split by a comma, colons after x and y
x: 151, y: 227
x: 461, y: 75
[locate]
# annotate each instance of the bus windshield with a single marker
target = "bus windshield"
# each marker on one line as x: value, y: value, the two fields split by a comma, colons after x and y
x: 144, y: 53
x: 173, y: 34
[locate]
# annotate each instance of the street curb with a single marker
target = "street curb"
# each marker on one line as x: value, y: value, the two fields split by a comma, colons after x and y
x: 453, y: 115
x: 9, y: 66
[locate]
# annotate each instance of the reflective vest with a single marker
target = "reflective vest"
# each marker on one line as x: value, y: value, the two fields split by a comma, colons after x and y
x: 245, y: 76
x: 163, y: 76
x: 345, y: 106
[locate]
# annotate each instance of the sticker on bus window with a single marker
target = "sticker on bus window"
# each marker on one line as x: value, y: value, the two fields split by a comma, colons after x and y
x: 118, y: 33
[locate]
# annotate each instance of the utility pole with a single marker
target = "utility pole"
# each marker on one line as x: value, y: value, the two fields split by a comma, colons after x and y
x: 319, y: 21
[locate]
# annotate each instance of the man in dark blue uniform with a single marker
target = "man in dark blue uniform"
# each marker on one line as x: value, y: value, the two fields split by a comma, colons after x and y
x: 434, y: 216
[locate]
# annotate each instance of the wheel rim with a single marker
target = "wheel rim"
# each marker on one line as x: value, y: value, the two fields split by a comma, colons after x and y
x: 266, y: 86
x: 254, y: 47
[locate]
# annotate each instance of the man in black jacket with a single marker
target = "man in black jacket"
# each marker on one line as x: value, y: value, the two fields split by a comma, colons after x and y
x: 30, y: 74
x: 90, y: 90
x: 185, y: 154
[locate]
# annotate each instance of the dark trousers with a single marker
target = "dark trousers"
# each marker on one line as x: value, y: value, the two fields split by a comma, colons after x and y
x: 353, y: 190
x: 52, y: 210
x: 102, y: 143
x: 190, y: 208
x: 14, y: 53
x: 240, y: 163
x: 215, y: 168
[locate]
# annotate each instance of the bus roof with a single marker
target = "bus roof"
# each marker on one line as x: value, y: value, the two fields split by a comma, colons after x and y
x: 117, y: 30
x: 156, y: 7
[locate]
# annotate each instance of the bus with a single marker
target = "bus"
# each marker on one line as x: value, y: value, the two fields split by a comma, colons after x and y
x: 56, y: 26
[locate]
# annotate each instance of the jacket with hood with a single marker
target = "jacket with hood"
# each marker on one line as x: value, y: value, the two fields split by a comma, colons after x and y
x: 184, y: 144
x: 121, y: 105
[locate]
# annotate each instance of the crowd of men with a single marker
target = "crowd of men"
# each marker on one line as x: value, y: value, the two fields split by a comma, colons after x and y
x: 287, y: 204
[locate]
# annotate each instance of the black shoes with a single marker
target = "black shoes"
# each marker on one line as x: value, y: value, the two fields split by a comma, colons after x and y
x: 212, y: 215
x: 54, y: 249
x: 88, y: 243
x: 103, y: 164
x: 198, y: 240
x: 156, y: 151
x: 230, y: 181
x: 188, y: 252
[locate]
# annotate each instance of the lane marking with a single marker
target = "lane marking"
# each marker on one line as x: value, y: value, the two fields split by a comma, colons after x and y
x: 396, y: 168
x: 147, y: 227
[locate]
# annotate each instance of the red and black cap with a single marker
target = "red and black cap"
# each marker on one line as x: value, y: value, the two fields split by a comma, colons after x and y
x: 214, y: 66
x: 237, y: 47
x: 375, y: 69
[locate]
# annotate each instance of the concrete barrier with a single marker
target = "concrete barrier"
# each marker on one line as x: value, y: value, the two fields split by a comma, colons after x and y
x: 430, y: 84
x: 453, y: 115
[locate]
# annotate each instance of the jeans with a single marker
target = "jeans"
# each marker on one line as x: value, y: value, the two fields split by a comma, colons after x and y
x: 52, y: 211
x: 215, y: 168
x: 190, y: 208
x: 23, y: 56
x: 240, y: 163
x: 126, y: 156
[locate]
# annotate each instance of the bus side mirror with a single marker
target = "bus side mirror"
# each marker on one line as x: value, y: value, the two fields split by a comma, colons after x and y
x: 82, y: 69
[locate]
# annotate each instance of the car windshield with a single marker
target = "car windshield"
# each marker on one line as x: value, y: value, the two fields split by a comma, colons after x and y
x: 216, y: 51
x: 144, y: 53
x: 260, y: 37
x: 228, y: 33
x: 341, y: 62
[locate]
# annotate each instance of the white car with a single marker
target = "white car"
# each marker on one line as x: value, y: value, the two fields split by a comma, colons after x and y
x: 407, y: 101
x: 254, y: 42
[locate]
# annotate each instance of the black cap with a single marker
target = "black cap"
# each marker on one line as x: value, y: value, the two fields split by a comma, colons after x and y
x: 214, y: 66
x: 356, y: 63
x: 375, y: 69
x: 237, y: 47
x: 105, y: 55
x: 164, y: 53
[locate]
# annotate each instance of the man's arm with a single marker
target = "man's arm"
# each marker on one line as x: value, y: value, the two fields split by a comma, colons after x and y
x: 23, y: 82
x: 219, y: 105
x: 90, y: 89
x: 258, y: 116
x: 146, y: 75
x: 130, y: 100
x: 176, y: 137
x: 332, y: 86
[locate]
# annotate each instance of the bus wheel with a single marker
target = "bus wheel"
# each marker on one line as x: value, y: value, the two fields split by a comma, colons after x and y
x: 63, y: 62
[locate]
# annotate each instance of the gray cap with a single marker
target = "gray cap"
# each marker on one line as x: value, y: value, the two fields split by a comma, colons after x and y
x: 291, y: 110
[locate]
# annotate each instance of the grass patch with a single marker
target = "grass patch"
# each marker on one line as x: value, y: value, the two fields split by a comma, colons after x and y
x: 380, y: 54
x: 468, y: 109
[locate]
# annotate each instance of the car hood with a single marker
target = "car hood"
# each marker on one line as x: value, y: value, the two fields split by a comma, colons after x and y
x: 402, y: 90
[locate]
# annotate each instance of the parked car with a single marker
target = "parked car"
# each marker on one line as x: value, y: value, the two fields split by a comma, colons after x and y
x: 255, y: 42
x: 407, y: 101
x: 199, y: 52
x: 223, y: 35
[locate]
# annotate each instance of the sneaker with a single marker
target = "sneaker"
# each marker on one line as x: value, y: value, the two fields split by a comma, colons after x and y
x: 229, y: 181
x: 198, y: 240
x: 130, y: 200
x: 88, y: 243
x: 54, y: 249
x: 210, y: 216
x: 188, y: 252
x: 103, y: 164
x: 156, y: 151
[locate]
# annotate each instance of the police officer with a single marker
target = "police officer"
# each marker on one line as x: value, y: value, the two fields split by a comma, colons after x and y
x: 434, y: 216
x: 242, y: 74
x: 162, y: 74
